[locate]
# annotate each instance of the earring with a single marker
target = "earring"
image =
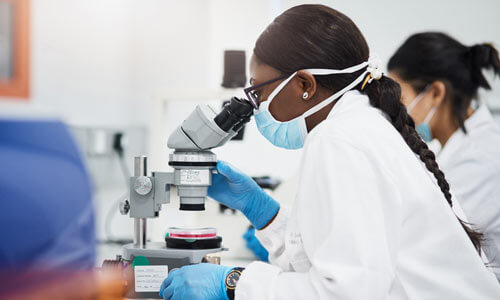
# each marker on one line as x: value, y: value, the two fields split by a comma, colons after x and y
x: 305, y: 95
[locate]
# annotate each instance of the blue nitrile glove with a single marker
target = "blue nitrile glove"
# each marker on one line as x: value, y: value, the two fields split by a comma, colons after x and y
x: 255, y: 246
x: 196, y: 282
x: 241, y: 192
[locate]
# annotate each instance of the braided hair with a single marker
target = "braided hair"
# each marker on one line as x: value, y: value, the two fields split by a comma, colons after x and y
x: 317, y: 36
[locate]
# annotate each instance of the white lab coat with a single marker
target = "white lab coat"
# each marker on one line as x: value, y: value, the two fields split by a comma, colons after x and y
x: 368, y: 222
x: 471, y: 163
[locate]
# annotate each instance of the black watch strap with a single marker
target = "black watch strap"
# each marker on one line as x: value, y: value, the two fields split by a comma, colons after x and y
x: 229, y: 282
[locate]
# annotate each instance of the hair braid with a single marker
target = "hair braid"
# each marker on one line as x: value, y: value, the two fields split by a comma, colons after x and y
x: 385, y: 94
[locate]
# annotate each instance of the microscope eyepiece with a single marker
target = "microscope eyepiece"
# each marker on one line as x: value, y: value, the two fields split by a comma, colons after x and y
x: 234, y: 115
x: 192, y: 160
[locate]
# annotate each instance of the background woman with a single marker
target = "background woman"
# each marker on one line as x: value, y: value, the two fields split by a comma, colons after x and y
x: 440, y: 79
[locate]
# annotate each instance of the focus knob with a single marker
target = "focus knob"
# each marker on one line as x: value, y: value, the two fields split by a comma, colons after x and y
x: 143, y: 185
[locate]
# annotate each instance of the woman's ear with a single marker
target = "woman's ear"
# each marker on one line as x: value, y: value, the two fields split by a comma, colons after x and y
x: 307, y: 84
x: 438, y: 93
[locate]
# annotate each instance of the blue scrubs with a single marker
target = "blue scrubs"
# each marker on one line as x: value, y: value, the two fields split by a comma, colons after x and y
x: 46, y: 211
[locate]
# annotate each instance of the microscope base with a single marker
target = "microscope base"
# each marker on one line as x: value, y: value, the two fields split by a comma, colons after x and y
x: 154, y: 261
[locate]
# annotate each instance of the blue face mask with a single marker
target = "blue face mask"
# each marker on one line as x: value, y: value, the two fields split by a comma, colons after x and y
x: 423, y: 129
x: 292, y: 134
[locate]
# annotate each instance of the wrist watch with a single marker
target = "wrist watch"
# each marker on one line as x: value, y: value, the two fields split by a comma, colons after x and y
x: 231, y: 281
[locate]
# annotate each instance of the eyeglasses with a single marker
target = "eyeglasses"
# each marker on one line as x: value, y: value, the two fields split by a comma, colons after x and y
x: 253, y: 95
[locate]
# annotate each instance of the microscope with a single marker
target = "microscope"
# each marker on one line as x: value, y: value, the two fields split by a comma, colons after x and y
x: 145, y: 263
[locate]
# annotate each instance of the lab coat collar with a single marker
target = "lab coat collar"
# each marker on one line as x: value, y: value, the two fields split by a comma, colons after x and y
x: 479, y: 119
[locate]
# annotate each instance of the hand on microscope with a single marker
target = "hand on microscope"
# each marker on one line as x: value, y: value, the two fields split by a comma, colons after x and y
x: 196, y: 282
x: 239, y: 191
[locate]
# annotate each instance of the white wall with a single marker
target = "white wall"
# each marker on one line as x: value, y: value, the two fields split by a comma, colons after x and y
x: 79, y: 61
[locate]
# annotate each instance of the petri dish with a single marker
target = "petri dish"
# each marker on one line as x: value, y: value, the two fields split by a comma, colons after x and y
x: 192, y: 233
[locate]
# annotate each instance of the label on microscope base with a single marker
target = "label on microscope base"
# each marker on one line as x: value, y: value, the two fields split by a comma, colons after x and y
x: 149, y: 278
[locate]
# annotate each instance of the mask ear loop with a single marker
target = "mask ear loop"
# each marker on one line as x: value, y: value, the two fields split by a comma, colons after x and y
x: 333, y: 71
x: 417, y: 99
x: 335, y: 96
x: 430, y: 115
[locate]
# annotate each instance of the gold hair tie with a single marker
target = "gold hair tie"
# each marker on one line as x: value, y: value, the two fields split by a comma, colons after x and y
x: 367, y: 79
